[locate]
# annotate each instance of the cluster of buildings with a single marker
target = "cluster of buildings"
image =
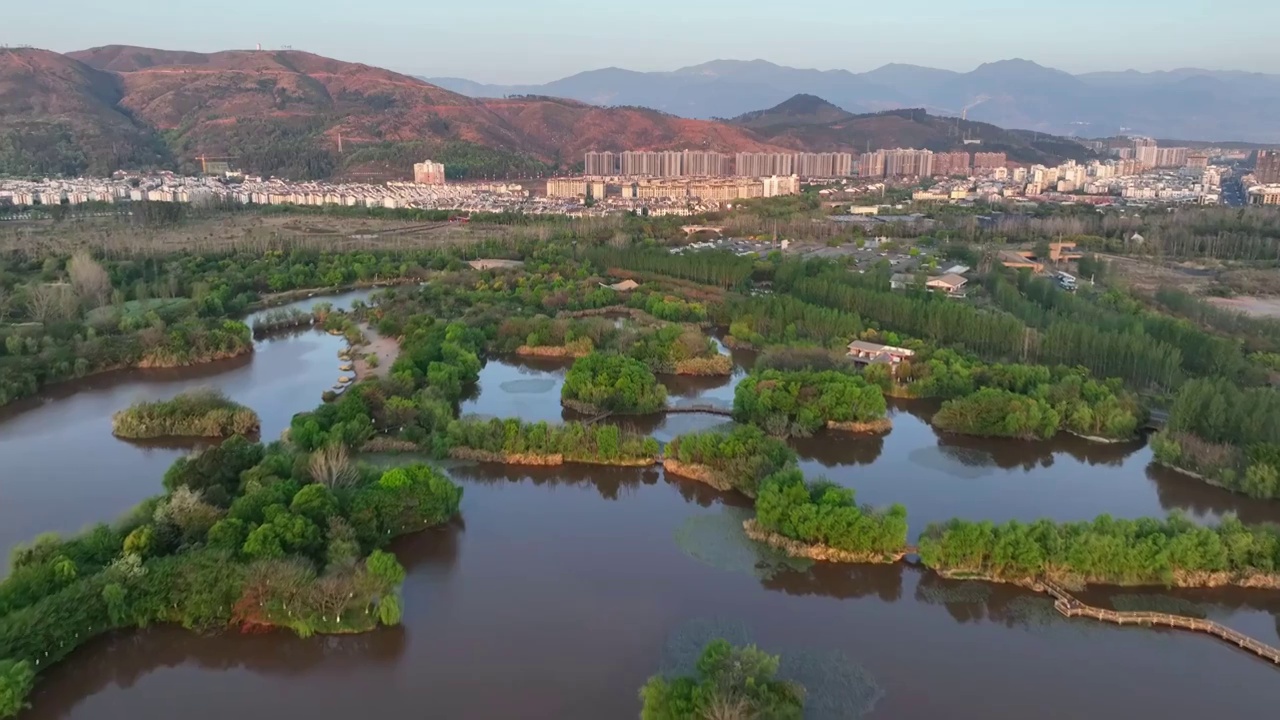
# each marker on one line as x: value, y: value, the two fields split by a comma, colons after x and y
x: 1100, y: 179
x: 1148, y: 154
x: 909, y: 162
x: 1262, y: 186
x: 705, y: 188
x: 257, y: 191
x: 662, y: 164
x: 896, y: 162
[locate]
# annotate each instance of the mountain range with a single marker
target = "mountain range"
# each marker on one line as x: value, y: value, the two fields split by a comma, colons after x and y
x: 296, y: 114
x: 1187, y: 103
x: 283, y: 113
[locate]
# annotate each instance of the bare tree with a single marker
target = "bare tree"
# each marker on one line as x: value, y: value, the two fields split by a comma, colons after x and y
x: 50, y: 302
x: 331, y: 466
x: 91, y: 282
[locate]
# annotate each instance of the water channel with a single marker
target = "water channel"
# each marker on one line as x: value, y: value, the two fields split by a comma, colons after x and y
x: 559, y: 591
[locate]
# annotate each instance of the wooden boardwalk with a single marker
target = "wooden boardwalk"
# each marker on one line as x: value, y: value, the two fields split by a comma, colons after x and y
x: 1066, y: 603
x: 701, y: 408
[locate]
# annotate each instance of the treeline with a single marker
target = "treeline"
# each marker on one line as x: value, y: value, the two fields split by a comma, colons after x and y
x: 1258, y: 334
x: 823, y: 513
x: 1023, y: 401
x: 718, y: 267
x: 1112, y: 335
x: 512, y: 440
x: 612, y: 383
x: 32, y: 356
x: 668, y: 307
x: 1229, y: 435
x: 736, y: 460
x: 1105, y: 550
x: 799, y: 403
x: 925, y: 316
x: 199, y: 413
x: 778, y: 319
x: 1249, y: 234
x: 663, y: 348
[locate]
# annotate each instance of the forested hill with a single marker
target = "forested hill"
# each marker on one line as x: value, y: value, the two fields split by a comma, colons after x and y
x: 283, y: 112
x: 812, y: 124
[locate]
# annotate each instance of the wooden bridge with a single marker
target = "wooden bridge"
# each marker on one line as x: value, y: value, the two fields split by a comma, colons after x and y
x: 704, y: 408
x: 1068, y: 605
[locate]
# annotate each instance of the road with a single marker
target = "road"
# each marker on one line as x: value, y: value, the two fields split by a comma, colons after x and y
x: 1233, y: 194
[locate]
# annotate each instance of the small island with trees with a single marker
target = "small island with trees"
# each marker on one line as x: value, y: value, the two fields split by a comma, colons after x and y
x: 196, y: 414
x: 609, y: 383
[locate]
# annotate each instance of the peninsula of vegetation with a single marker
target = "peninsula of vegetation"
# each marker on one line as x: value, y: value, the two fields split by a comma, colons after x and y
x: 200, y: 414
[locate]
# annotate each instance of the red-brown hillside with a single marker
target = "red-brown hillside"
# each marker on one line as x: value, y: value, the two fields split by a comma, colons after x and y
x: 266, y: 107
x: 66, y: 111
x: 573, y: 128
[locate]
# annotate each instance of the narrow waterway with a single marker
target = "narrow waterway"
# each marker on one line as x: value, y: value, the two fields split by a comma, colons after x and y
x: 558, y: 591
x: 64, y: 470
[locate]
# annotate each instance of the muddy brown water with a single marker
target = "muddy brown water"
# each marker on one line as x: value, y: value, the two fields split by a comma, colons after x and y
x: 558, y: 591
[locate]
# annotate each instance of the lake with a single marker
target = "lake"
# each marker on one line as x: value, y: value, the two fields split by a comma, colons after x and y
x: 559, y: 591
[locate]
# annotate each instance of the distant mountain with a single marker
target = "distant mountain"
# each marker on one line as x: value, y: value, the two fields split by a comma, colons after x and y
x: 799, y: 110
x: 808, y: 123
x: 1186, y: 103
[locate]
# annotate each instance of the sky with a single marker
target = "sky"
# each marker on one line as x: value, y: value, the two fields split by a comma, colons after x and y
x: 534, y: 41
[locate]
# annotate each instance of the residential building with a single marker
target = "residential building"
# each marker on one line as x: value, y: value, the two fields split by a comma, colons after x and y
x: 600, y: 164
x: 989, y: 161
x: 949, y: 284
x: 566, y: 187
x: 1267, y: 169
x: 951, y: 163
x: 1264, y: 195
x: 428, y: 173
x: 869, y: 353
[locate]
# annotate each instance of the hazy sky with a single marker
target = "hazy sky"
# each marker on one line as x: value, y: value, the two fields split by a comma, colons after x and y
x: 511, y: 41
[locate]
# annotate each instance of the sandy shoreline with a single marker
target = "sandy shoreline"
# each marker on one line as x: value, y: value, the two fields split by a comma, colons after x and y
x: 387, y: 350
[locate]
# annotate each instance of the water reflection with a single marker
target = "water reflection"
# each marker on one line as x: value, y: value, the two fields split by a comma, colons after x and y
x: 63, y: 469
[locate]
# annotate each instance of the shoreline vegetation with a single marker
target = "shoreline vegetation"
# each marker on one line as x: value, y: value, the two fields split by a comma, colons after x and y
x: 665, y: 347
x: 801, y: 402
x: 199, y: 414
x: 292, y: 534
x: 600, y: 383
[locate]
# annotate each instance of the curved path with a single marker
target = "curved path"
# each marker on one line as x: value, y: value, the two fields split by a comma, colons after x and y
x: 1068, y: 605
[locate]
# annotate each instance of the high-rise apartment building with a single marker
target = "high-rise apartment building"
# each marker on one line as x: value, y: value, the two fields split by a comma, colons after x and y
x: 951, y: 163
x: 1171, y: 156
x: 600, y: 164
x: 428, y: 173
x: 871, y: 164
x: 908, y: 162
x: 698, y: 163
x: 989, y: 161
x: 1267, y: 168
x: 764, y: 164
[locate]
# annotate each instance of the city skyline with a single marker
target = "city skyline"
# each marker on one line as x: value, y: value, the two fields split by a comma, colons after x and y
x: 502, y: 41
